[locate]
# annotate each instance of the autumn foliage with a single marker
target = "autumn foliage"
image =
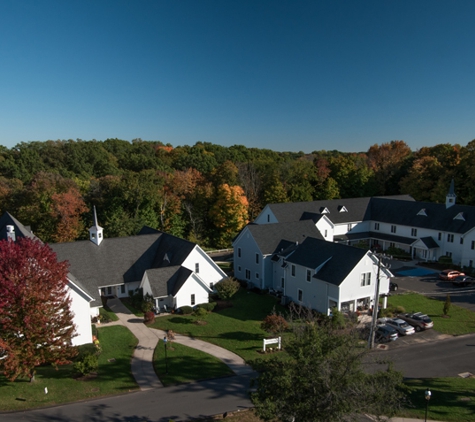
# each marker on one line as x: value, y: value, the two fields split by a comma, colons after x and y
x: 36, y: 323
x: 274, y: 324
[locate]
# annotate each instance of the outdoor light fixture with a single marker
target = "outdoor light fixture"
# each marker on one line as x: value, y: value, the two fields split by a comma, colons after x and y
x: 427, y: 395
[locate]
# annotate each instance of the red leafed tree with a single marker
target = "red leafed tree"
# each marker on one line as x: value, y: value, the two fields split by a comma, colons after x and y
x: 36, y: 322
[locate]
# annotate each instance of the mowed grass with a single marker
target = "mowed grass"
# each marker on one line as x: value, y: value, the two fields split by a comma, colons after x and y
x: 452, y: 399
x: 113, y: 377
x: 237, y: 328
x: 185, y: 364
x: 459, y: 321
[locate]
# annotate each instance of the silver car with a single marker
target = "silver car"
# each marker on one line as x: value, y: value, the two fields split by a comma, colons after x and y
x: 402, y: 327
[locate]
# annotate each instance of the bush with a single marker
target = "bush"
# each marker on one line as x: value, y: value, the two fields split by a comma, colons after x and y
x: 227, y: 288
x: 85, y: 350
x: 200, y: 312
x: 95, y: 331
x: 399, y: 309
x: 149, y: 317
x: 274, y: 324
x: 186, y: 310
x: 208, y: 306
x: 147, y: 303
x: 86, y: 365
x: 446, y: 260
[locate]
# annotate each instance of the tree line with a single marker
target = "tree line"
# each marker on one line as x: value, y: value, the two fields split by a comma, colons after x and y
x: 206, y: 192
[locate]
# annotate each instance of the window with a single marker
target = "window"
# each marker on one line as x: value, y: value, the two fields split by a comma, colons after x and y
x: 257, y: 258
x: 376, y: 226
x: 326, y: 233
x: 257, y: 276
x: 239, y: 252
x: 413, y: 232
x: 440, y: 236
x: 449, y: 254
x: 472, y: 245
x: 300, y: 295
x: 192, y: 300
x: 393, y: 229
x: 309, y: 275
x: 239, y: 268
x: 109, y: 290
x: 248, y: 275
x: 461, y: 240
x: 122, y: 289
x: 392, y: 245
x: 450, y: 238
x: 282, y: 282
x: 470, y: 263
x: 197, y: 268
x: 293, y: 270
x: 268, y: 218
x: 365, y: 279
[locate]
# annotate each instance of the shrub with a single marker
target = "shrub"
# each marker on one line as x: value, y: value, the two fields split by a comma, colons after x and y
x: 86, y: 365
x: 186, y: 310
x: 274, y: 324
x: 227, y: 288
x: 85, y: 350
x: 447, y: 305
x: 399, y: 309
x: 200, y: 312
x: 149, y: 317
x: 208, y: 306
x: 147, y: 303
x: 446, y: 260
x: 104, y: 315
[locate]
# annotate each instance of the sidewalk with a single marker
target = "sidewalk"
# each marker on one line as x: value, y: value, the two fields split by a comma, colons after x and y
x: 142, y: 360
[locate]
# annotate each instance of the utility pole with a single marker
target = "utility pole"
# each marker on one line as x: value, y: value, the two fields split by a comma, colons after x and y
x: 374, y: 320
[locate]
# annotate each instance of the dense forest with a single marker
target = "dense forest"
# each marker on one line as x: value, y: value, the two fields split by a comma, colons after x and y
x: 206, y: 193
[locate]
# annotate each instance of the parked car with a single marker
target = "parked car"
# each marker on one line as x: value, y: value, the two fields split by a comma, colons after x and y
x: 418, y: 320
x: 393, y: 286
x: 448, y: 275
x: 385, y: 333
x: 463, y: 280
x: 402, y: 327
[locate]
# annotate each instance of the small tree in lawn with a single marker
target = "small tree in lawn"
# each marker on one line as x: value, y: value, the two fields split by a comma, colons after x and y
x: 274, y: 324
x: 447, y: 305
x: 227, y: 288
x: 36, y: 322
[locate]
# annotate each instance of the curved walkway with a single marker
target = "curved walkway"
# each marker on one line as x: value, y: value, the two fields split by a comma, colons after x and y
x: 142, y: 359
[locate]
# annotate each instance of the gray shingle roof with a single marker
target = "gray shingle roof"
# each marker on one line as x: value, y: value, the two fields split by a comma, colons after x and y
x: 356, y: 209
x: 168, y: 280
x: 271, y: 238
x: 341, y: 259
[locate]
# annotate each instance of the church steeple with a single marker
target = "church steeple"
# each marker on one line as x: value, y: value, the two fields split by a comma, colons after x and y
x: 450, y: 197
x: 95, y: 232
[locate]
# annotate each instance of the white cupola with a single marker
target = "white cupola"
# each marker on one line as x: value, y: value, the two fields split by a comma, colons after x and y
x: 450, y: 197
x: 95, y: 232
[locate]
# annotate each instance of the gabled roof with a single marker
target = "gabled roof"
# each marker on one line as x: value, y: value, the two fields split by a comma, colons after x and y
x: 168, y: 280
x: 438, y: 217
x: 340, y: 259
x: 271, y: 238
x: 123, y: 259
x: 356, y: 209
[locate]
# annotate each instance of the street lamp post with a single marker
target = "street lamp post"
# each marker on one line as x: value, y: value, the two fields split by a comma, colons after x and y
x: 427, y: 395
x: 166, y: 360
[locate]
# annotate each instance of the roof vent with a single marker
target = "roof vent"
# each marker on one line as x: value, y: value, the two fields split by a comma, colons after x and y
x: 422, y: 212
x: 459, y: 216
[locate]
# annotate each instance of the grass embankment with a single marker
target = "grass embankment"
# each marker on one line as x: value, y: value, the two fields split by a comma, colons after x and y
x: 459, y: 320
x: 237, y: 328
x: 114, y: 377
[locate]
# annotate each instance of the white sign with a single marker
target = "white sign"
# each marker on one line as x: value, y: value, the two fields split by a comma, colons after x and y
x: 272, y: 341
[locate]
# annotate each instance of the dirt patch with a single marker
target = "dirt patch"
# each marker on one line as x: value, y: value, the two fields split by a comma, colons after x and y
x: 199, y: 322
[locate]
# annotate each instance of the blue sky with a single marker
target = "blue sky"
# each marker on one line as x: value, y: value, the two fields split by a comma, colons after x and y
x: 284, y: 75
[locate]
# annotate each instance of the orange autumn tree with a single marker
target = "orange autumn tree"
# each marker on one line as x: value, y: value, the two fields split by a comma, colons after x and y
x: 229, y: 214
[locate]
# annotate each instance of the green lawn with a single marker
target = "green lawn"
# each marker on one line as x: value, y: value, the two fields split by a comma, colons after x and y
x: 186, y: 364
x: 452, y: 399
x: 459, y: 321
x: 236, y: 328
x: 114, y: 377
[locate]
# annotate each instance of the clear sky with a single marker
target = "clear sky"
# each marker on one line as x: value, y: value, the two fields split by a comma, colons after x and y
x: 284, y: 75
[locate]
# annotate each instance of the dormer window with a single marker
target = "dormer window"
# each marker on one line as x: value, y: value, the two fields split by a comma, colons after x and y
x: 324, y: 210
x: 422, y: 212
x: 342, y: 208
x: 459, y: 216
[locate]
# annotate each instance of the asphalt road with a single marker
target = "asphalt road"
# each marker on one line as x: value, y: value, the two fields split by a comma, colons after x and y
x: 182, y: 402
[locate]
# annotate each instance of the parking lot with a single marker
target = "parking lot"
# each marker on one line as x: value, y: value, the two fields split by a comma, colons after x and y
x: 429, y: 285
